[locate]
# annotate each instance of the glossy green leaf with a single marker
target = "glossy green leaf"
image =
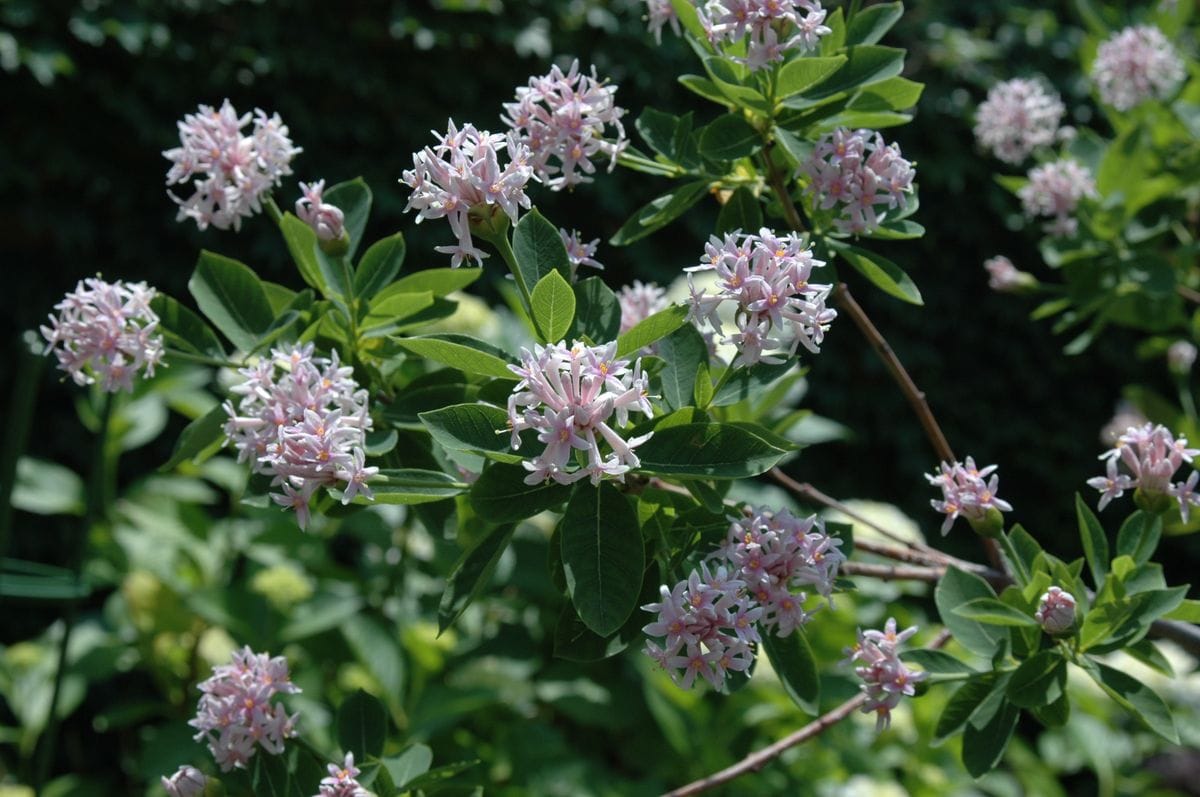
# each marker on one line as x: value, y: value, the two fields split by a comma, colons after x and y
x: 379, y: 266
x: 198, y: 436
x: 597, y: 312
x: 438, y: 281
x: 387, y: 313
x: 1095, y: 544
x: 883, y: 273
x: 866, y: 64
x: 985, y: 738
x: 660, y: 212
x: 728, y: 138
x: 471, y: 574
x: 724, y: 75
x: 705, y: 88
x: 749, y: 383
x: 1139, y: 536
x: 684, y: 351
x: 1137, y: 698
x: 658, y: 130
x: 603, y: 556
x: 184, y: 330
x: 553, y: 307
x: 955, y: 589
x: 868, y: 25
x: 353, y: 197
x: 539, y: 249
x: 801, y: 74
x: 742, y: 211
x: 501, y: 495
x: 362, y: 725
x: 409, y: 486
x: 1039, y: 681
x: 793, y: 660
x: 409, y: 765
x: 963, y: 703
x: 893, y: 94
x: 467, y: 354
x: 472, y: 427
x: 652, y: 329
x: 708, y: 451
x: 232, y: 297
x: 937, y: 662
x: 301, y: 242
x: 994, y: 612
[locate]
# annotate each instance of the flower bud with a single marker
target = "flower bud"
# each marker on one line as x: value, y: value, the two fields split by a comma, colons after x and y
x: 991, y: 525
x: 1056, y: 612
x: 1153, y: 501
x: 186, y: 782
x: 1181, y: 356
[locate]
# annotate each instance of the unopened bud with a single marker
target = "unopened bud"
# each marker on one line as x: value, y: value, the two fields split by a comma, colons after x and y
x: 1056, y: 612
x: 186, y: 782
x: 1181, y: 356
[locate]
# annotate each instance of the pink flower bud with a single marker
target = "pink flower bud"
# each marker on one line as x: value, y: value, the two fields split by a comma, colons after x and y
x: 186, y: 782
x: 1056, y: 612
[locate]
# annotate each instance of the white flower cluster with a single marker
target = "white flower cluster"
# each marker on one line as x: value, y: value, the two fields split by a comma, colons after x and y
x: 775, y: 27
x: 1055, y: 189
x: 854, y: 172
x: 1018, y: 117
x: 1135, y: 65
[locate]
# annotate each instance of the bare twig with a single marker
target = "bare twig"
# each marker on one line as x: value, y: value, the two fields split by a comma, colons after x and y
x: 892, y: 572
x: 760, y: 758
x: 1191, y: 294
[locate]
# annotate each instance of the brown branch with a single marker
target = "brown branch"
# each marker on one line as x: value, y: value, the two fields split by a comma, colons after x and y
x: 760, y: 758
x: 892, y: 572
x: 1191, y: 294
x: 775, y: 180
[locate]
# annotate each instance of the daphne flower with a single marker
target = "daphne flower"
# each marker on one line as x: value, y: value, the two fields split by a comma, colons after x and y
x: 1151, y: 456
x: 186, y: 782
x: 1055, y: 189
x: 106, y: 331
x: 774, y: 27
x: 1136, y: 65
x: 342, y: 780
x: 658, y: 14
x: 229, y: 169
x: 858, y: 175
x: 766, y: 277
x: 885, y: 678
x: 1056, y: 611
x: 1018, y: 117
x: 325, y: 219
x: 235, y: 713
x: 1004, y: 277
x: 462, y: 178
x: 1181, y: 356
x: 564, y: 118
x: 966, y: 491
x: 638, y: 302
x: 578, y: 252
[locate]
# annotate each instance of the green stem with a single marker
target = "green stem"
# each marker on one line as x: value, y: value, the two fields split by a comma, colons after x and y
x: 1185, y: 398
x: 500, y: 241
x: 273, y: 211
x: 632, y: 161
x: 100, y: 495
x: 1018, y: 566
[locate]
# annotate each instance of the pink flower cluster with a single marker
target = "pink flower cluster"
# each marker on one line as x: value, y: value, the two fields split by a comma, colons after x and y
x: 766, y: 277
x: 106, y: 331
x: 230, y: 171
x: 709, y: 621
x: 1152, y: 455
x: 1135, y: 65
x: 305, y: 426
x: 578, y: 252
x: 855, y: 173
x: 462, y: 174
x: 1055, y: 189
x: 639, y: 301
x: 186, y: 782
x: 235, y: 712
x: 326, y: 220
x: 564, y: 117
x: 966, y: 491
x: 568, y: 395
x: 1018, y: 117
x: 658, y: 14
x: 1004, y: 277
x: 1056, y: 611
x: 885, y: 678
x: 342, y: 780
x: 774, y: 27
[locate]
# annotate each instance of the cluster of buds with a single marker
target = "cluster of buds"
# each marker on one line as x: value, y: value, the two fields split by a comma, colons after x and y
x: 229, y: 170
x: 1056, y: 611
x: 885, y: 678
x: 1152, y: 455
x: 342, y: 780
x: 1055, y: 189
x: 1018, y: 117
x: 235, y: 712
x: 775, y: 27
x: 106, y: 331
x: 1181, y: 356
x: 1004, y: 277
x: 638, y: 302
x: 658, y: 14
x: 856, y: 172
x: 708, y: 621
x: 766, y: 277
x: 326, y: 220
x: 967, y: 491
x: 1136, y: 65
x: 568, y: 395
x: 564, y: 117
x: 578, y: 252
x: 461, y: 180
x: 186, y: 782
x: 305, y: 426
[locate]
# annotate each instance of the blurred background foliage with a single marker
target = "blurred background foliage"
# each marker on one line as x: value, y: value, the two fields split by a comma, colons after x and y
x: 92, y: 90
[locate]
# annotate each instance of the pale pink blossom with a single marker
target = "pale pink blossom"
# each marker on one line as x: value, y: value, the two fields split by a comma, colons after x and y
x: 1151, y: 457
x: 639, y: 301
x: 658, y: 14
x: 326, y: 220
x: 1018, y: 117
x: 186, y: 782
x: 966, y: 491
x: 1135, y: 65
x: 578, y: 252
x: 1055, y: 189
x: 772, y: 28
x: 1004, y: 277
x: 858, y: 174
x: 885, y: 678
x: 342, y: 780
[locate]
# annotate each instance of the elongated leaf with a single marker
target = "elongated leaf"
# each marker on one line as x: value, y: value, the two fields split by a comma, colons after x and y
x: 794, y: 662
x: 883, y: 273
x: 471, y: 574
x: 553, y: 305
x: 1139, y: 536
x: 472, y: 427
x: 1138, y: 699
x: 724, y: 75
x: 994, y: 612
x: 658, y: 130
x: 866, y: 64
x: 742, y: 211
x: 651, y: 329
x: 708, y: 451
x: 379, y: 265
x: 801, y: 74
x: 963, y: 703
x: 465, y: 353
x: 660, y: 212
x: 893, y: 94
x: 869, y: 24
x: 603, y: 556
x: 232, y: 297
x: 597, y: 311
x: 301, y: 242
x: 748, y: 383
x: 1095, y: 544
x: 409, y: 765
x: 353, y: 197
x: 936, y: 661
x: 272, y: 779
x: 197, y: 436
x: 409, y: 486
x: 362, y: 725
x: 501, y: 495
x: 684, y: 351
x: 185, y: 330
x: 438, y: 281
x: 728, y: 138
x: 375, y: 644
x: 956, y: 588
x: 38, y: 582
x: 705, y: 88
x: 986, y: 738
x: 1039, y: 681
x: 47, y: 488
x: 388, y: 313
x: 539, y: 249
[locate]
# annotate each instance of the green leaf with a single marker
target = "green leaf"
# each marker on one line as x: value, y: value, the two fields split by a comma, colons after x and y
x: 272, y: 779
x: 1095, y: 544
x: 937, y: 662
x: 705, y: 88
x: 685, y: 10
x: 986, y: 737
x: 539, y: 249
x: 323, y: 613
x: 232, y: 297
x: 651, y: 329
x: 658, y: 130
x: 500, y: 495
x: 724, y: 75
x: 472, y: 427
x: 994, y: 612
x: 1188, y: 612
x: 353, y: 198
x: 893, y: 94
x: 597, y: 312
x: 409, y: 765
x: 603, y: 556
x: 883, y: 273
x: 801, y: 74
x: 963, y: 703
x: 471, y: 574
x: 660, y: 212
x: 553, y: 306
x: 742, y: 211
x: 438, y: 281
x: 684, y: 351
x: 435, y: 777
x: 707, y: 451
x: 386, y: 313
x: 870, y: 24
x: 728, y: 138
x: 866, y: 64
x: 1137, y: 698
x: 362, y: 725
x: 1039, y: 681
x: 463, y: 352
x: 793, y: 660
x: 198, y: 436
x: 1139, y: 536
x: 301, y: 242
x: 47, y: 488
x: 36, y: 581
x: 184, y: 330
x: 956, y: 588
x: 377, y: 648
x: 748, y: 383
x: 409, y: 486
x: 379, y: 266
